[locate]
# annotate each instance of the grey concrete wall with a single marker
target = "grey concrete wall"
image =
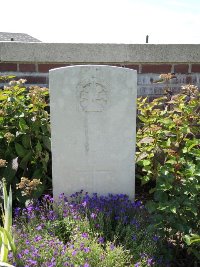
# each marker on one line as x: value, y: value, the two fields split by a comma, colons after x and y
x: 99, y: 53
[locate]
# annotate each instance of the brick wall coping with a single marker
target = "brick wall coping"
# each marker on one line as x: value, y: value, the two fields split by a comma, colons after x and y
x: 98, y: 53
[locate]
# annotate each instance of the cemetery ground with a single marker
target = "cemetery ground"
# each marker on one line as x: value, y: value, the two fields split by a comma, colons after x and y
x: 161, y: 227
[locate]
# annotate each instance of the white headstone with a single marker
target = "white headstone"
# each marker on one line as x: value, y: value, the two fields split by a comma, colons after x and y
x: 93, y: 126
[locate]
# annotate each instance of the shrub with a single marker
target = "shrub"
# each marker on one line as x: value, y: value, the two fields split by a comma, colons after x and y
x: 168, y: 158
x: 24, y: 135
x: 193, y: 242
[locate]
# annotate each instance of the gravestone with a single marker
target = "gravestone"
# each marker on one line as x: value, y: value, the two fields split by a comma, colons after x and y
x: 93, y: 126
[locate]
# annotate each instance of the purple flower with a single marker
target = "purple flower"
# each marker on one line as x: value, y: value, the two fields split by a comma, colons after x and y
x: 46, y: 197
x: 51, y: 264
x: 30, y: 208
x: 87, y: 250
x: 150, y: 262
x: 82, y: 246
x: 112, y: 246
x: 84, y: 204
x: 17, y: 211
x: 101, y: 240
x: 155, y: 238
x: 26, y: 251
x: 32, y: 262
x: 37, y: 238
x: 138, y: 203
x: 74, y: 252
x: 39, y: 227
x: 85, y: 235
x: 19, y: 255
x: 134, y: 237
x: 61, y: 196
x: 93, y: 215
x: 105, y: 213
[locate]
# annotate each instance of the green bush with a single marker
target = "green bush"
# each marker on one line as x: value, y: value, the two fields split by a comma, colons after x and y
x: 168, y: 159
x: 193, y: 242
x: 24, y: 136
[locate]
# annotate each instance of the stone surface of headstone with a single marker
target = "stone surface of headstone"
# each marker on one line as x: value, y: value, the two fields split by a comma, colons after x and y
x: 93, y: 127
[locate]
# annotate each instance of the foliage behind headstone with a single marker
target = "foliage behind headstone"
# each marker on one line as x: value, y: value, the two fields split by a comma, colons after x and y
x: 24, y: 136
x: 168, y: 158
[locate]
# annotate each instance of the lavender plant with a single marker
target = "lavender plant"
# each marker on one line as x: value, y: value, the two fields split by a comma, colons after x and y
x: 85, y: 231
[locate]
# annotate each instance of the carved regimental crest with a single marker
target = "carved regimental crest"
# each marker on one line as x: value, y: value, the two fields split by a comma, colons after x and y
x: 93, y: 96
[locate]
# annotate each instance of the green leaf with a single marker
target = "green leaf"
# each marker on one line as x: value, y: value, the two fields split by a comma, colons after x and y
x: 146, y: 162
x: 196, y: 253
x: 173, y: 209
x: 160, y: 196
x: 26, y: 159
x: 11, y: 242
x: 141, y: 156
x: 191, y: 239
x: 26, y: 141
x: 38, y: 147
x: 163, y: 207
x: 11, y: 99
x: 40, y: 189
x: 22, y: 125
x: 151, y: 206
x: 142, y: 118
x: 47, y: 142
x: 10, y: 171
x: 187, y: 240
x: 171, y: 161
x: 5, y: 196
x: 152, y: 190
x: 19, y: 91
x: 168, y: 142
x: 20, y: 150
x: 38, y: 173
x: 4, y: 246
x: 185, y: 150
x: 7, y: 77
x: 145, y: 179
x: 146, y: 140
x: 3, y: 97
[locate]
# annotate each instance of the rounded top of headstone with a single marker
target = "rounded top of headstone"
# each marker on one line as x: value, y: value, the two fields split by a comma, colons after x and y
x: 92, y: 67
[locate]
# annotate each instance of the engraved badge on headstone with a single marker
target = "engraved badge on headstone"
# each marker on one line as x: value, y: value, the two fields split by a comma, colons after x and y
x: 93, y: 95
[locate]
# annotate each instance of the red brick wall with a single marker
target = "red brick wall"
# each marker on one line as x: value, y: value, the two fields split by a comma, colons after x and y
x: 37, y: 74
